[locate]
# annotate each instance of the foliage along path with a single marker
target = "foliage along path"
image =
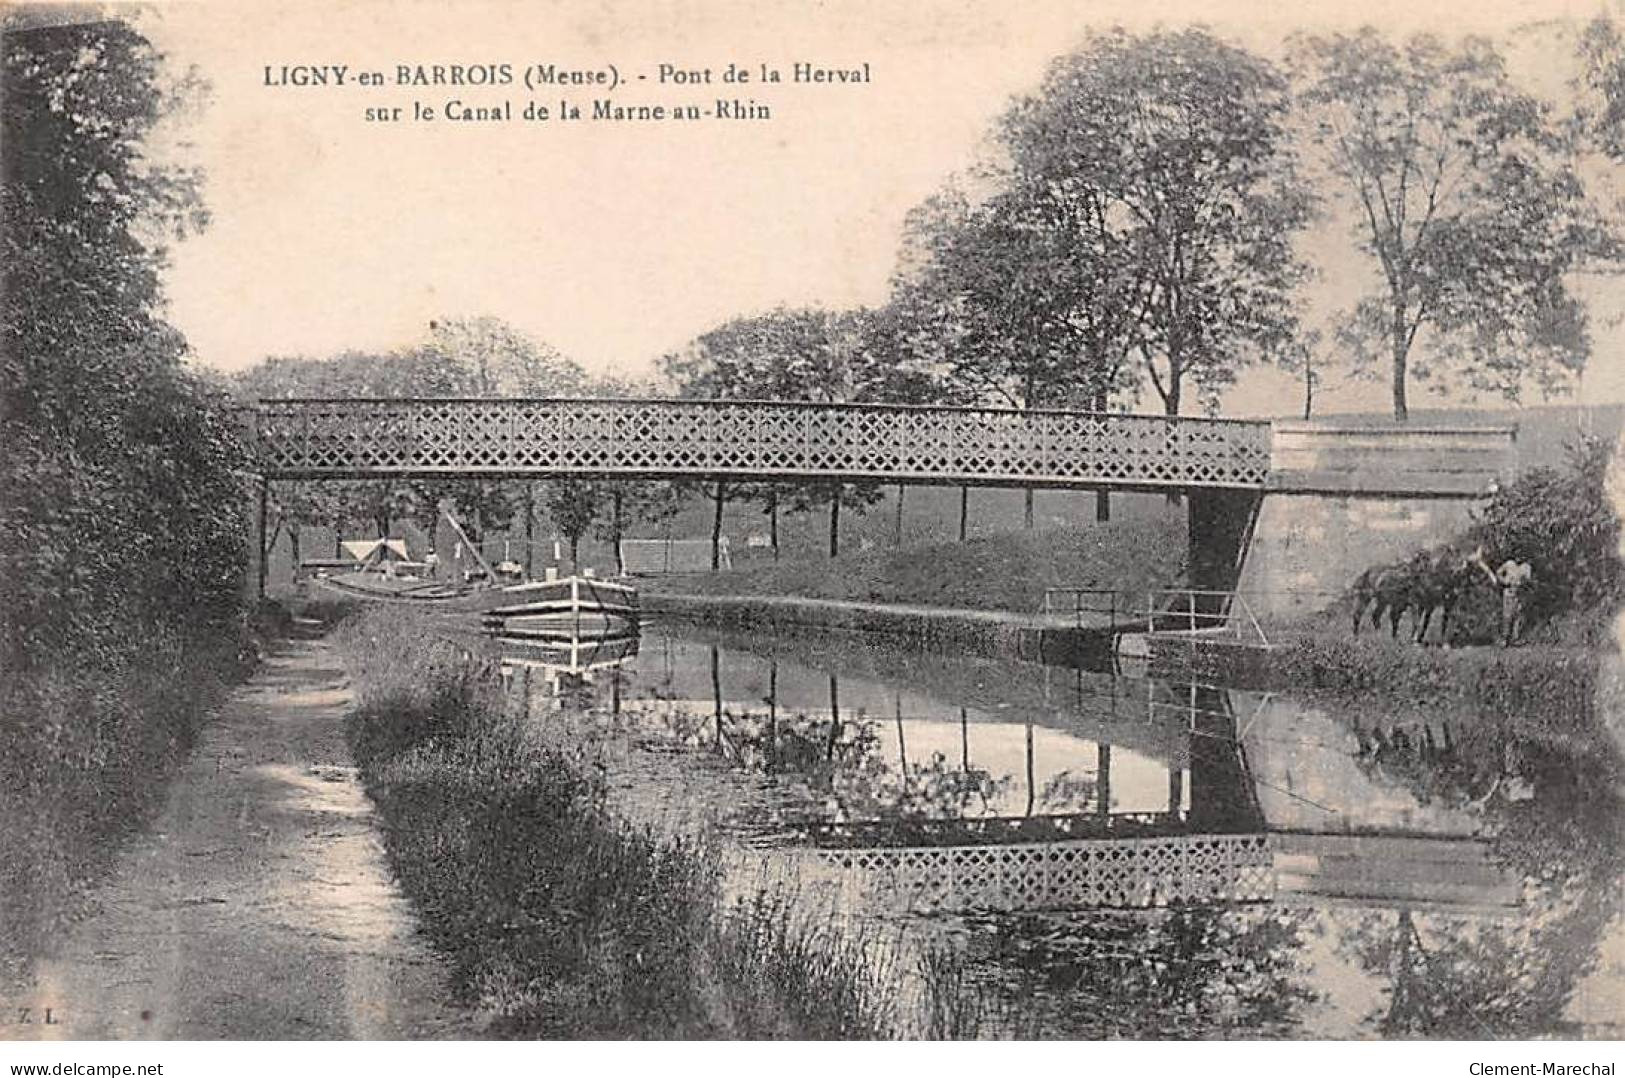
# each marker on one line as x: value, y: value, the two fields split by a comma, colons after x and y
x: 259, y: 906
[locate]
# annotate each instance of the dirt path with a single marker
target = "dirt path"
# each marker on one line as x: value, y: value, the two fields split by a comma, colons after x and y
x: 260, y: 905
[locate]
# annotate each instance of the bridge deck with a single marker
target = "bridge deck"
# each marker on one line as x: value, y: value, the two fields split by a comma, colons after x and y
x: 754, y: 440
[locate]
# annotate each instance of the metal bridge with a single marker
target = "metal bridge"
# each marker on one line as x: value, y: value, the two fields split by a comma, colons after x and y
x: 754, y: 440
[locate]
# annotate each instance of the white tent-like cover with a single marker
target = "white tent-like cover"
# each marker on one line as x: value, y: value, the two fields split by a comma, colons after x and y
x: 374, y: 552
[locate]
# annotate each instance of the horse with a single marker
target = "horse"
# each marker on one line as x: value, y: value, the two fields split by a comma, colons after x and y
x: 1431, y: 581
x: 1387, y: 589
x: 1439, y: 586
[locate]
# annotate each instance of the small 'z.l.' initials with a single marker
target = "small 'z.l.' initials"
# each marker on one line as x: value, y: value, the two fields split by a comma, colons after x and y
x: 25, y: 1017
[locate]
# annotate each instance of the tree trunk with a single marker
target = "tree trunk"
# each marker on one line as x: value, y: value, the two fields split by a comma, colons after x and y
x: 530, y: 530
x: 293, y: 539
x: 716, y: 527
x: 1308, y: 385
x: 835, y: 522
x: 834, y: 718
x: 1103, y: 777
x: 1032, y: 791
x: 1401, y: 357
x: 964, y: 511
x: 1027, y: 403
x: 897, y: 529
x: 575, y: 553
x: 902, y: 747
x: 1171, y: 402
x: 1103, y: 498
x: 773, y: 715
x: 716, y: 692
x: 773, y: 521
x: 615, y: 528
x: 259, y: 535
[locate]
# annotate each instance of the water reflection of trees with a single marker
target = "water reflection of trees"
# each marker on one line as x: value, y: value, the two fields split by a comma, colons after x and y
x: 1189, y: 972
x: 1551, y: 808
x: 929, y: 790
x: 837, y: 760
x: 839, y: 764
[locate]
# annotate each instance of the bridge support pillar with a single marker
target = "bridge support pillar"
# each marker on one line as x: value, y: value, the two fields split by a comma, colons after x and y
x: 1220, y: 522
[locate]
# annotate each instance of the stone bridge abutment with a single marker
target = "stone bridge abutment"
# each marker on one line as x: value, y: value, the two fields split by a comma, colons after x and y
x: 1340, y: 499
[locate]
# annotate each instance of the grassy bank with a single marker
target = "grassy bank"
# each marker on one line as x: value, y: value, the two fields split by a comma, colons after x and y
x: 1000, y: 572
x: 1550, y: 684
x: 557, y: 918
x: 86, y: 762
x: 1549, y: 680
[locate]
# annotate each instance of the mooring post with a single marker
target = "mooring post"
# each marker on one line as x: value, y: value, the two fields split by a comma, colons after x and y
x: 259, y: 534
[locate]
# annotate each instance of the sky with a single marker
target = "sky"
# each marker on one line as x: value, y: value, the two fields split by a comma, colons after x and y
x: 616, y: 242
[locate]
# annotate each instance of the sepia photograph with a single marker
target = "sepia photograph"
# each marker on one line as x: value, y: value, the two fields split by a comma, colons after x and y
x: 744, y: 522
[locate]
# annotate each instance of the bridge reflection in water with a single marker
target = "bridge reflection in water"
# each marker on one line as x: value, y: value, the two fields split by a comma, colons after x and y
x: 1074, y: 790
x: 1350, y: 883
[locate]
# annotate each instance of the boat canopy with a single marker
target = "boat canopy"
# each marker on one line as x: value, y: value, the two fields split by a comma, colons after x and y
x: 376, y: 551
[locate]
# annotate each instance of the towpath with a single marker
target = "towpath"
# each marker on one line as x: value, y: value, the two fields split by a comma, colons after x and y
x: 259, y: 906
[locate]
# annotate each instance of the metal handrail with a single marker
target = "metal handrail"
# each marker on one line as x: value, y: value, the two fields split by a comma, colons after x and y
x: 1079, y: 607
x: 1232, y: 601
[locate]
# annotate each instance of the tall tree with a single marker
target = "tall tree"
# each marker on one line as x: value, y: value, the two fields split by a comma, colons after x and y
x: 787, y: 355
x: 1144, y: 207
x: 119, y: 495
x: 1165, y: 160
x: 1467, y: 199
x: 987, y: 296
x: 573, y: 504
x: 499, y: 360
x: 1138, y: 228
x: 481, y: 356
x: 1600, y: 99
x: 998, y: 289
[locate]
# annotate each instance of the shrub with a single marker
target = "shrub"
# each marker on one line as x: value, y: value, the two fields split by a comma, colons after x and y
x: 1563, y: 523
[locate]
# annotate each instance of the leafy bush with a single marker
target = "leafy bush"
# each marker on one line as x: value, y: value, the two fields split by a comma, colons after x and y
x: 1563, y: 523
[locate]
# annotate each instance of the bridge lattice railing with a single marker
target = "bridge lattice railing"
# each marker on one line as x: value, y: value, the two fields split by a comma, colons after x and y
x: 747, y: 439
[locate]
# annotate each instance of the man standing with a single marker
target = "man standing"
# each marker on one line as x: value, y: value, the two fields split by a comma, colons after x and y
x: 1513, y: 576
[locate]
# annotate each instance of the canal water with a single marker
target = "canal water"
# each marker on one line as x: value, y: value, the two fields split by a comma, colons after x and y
x: 1274, y: 865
